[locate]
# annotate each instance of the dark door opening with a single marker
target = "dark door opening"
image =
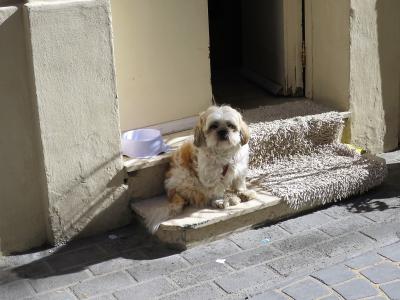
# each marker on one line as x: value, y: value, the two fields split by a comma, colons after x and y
x: 247, y: 51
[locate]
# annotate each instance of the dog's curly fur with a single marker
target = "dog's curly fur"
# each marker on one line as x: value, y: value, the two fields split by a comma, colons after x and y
x: 211, y: 169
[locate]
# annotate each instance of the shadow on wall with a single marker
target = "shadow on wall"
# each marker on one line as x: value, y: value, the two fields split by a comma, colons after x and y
x: 22, y: 221
x: 388, y: 24
x: 25, y: 211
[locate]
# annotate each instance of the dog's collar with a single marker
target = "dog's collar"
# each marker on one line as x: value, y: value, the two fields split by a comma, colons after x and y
x: 225, y: 170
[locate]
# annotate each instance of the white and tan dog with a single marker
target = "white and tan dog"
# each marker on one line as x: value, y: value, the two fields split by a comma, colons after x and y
x: 210, y: 170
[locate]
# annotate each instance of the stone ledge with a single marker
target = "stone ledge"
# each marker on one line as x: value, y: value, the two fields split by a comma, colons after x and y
x: 195, y: 226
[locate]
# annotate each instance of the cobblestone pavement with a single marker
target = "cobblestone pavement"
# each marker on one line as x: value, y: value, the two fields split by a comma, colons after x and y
x: 350, y: 250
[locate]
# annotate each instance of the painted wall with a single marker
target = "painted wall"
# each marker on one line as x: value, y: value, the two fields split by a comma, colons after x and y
x: 22, y: 221
x: 355, y: 59
x: 263, y: 40
x: 375, y: 70
x: 75, y: 94
x: 327, y: 28
x: 162, y: 60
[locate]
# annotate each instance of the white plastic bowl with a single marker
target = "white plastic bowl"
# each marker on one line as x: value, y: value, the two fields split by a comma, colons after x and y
x: 141, y: 143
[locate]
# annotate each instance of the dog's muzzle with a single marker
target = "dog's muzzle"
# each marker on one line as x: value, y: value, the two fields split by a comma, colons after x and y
x: 223, y: 134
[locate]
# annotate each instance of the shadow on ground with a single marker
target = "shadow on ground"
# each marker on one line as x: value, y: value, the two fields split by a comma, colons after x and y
x: 129, y: 245
x: 132, y: 244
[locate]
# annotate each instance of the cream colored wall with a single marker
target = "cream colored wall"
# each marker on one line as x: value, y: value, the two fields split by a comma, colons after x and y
x: 162, y: 60
x: 75, y: 97
x: 375, y: 70
x: 328, y: 52
x: 22, y: 219
x: 354, y: 64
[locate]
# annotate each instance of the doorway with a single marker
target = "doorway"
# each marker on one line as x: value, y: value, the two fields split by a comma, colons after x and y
x: 255, y: 50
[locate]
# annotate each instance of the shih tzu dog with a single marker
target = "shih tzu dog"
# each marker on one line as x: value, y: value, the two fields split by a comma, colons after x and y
x: 210, y: 170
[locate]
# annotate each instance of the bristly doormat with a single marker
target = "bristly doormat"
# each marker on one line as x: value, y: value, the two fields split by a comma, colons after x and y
x: 302, y: 161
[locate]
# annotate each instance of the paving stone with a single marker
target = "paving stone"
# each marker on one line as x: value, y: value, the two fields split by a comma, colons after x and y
x: 363, y: 261
x: 118, y: 263
x: 103, y: 297
x: 300, y: 241
x: 306, y: 289
x: 259, y: 275
x: 211, y: 251
x: 157, y: 250
x: 199, y: 273
x: 58, y: 281
x: 123, y: 243
x: 338, y: 211
x: 356, y: 289
x: 54, y: 295
x: 385, y: 233
x: 383, y: 210
x: 146, y: 290
x: 392, y: 290
x: 375, y: 204
x: 270, y: 295
x: 25, y: 259
x: 345, y: 225
x: 102, y: 284
x: 7, y: 276
x: 351, y: 243
x: 392, y: 252
x: 252, y: 257
x: 33, y: 269
x: 202, y: 292
x: 257, y: 237
x: 305, y: 222
x: 302, y: 261
x: 157, y: 267
x: 382, y: 273
x: 334, y: 275
x: 72, y: 259
x: 331, y: 297
x: 16, y: 290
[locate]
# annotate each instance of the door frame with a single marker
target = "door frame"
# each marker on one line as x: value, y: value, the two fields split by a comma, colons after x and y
x: 294, y: 56
x: 294, y: 48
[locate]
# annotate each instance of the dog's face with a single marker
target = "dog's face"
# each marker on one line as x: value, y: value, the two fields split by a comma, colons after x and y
x: 221, y: 127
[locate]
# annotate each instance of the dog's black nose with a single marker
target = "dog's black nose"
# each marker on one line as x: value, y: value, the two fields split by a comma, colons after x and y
x: 223, y: 134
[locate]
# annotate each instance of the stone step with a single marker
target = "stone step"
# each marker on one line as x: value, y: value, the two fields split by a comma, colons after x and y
x: 195, y: 226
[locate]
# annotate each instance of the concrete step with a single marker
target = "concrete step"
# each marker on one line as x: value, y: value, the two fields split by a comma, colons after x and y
x: 196, y: 226
x: 146, y: 175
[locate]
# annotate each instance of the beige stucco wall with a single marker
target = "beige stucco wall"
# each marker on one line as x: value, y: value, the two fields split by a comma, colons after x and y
x: 162, y: 60
x: 62, y: 173
x: 75, y: 94
x: 375, y: 69
x: 354, y: 64
x: 22, y: 222
x: 329, y: 52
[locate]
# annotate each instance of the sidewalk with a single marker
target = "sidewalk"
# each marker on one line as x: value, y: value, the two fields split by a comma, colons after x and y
x: 346, y: 251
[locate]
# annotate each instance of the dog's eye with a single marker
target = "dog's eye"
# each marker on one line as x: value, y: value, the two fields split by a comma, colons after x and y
x: 231, y: 126
x: 213, y: 126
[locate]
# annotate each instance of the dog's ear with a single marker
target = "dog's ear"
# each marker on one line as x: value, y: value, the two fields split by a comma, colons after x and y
x: 199, y: 137
x: 244, y: 132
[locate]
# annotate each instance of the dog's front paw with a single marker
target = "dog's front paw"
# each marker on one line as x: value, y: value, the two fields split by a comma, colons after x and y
x: 220, y: 203
x: 232, y: 199
x: 247, y: 195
